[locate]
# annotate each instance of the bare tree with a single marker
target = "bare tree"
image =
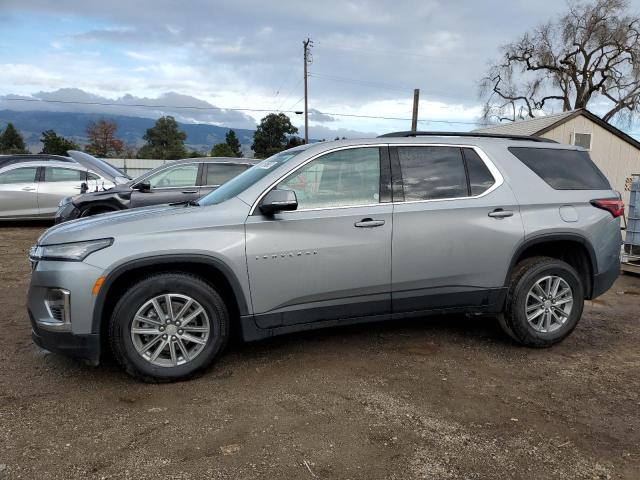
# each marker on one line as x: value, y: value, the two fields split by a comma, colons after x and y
x: 592, y: 52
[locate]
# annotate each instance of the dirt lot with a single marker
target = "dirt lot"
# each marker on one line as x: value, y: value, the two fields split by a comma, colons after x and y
x: 431, y: 398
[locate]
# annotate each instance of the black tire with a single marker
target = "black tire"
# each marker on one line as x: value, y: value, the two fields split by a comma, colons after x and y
x: 526, y: 274
x: 163, y: 283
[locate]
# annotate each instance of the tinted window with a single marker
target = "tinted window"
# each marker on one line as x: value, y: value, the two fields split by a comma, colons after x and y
x: 19, y: 175
x: 563, y: 169
x: 219, y: 173
x: 92, y: 176
x: 338, y: 179
x: 432, y: 172
x: 480, y: 178
x: 57, y: 174
x: 179, y: 176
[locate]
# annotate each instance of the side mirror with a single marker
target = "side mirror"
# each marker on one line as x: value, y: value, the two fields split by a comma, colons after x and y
x: 278, y: 201
x: 143, y: 186
x: 84, y: 188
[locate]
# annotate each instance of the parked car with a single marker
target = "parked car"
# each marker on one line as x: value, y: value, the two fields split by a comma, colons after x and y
x: 335, y: 233
x: 33, y: 189
x: 177, y: 181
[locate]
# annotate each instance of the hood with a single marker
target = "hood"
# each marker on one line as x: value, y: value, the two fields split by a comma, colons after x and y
x: 80, y: 227
x: 99, y: 166
x: 146, y: 222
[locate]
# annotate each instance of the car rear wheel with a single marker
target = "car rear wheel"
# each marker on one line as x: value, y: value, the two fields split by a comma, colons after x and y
x: 168, y: 327
x: 544, y: 302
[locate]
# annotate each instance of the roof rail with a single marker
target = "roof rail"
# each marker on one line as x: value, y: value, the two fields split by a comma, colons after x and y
x: 465, y: 134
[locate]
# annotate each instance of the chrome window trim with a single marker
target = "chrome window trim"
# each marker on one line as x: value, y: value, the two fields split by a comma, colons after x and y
x: 310, y: 159
x: 497, y: 176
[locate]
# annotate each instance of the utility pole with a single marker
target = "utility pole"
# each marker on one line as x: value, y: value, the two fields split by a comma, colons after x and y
x: 414, y: 117
x: 307, y: 44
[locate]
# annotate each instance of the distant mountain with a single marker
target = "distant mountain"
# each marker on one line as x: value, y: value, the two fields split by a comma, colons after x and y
x: 31, y: 124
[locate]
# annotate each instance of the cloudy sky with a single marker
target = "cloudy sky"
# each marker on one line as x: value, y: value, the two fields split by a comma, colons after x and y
x: 367, y: 57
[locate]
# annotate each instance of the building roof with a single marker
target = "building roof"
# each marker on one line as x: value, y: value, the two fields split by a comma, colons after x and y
x: 540, y: 125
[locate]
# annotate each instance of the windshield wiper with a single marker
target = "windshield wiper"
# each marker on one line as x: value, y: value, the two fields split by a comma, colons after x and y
x: 186, y: 203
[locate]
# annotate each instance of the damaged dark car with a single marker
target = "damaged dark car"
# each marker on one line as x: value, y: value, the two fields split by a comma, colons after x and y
x: 176, y: 181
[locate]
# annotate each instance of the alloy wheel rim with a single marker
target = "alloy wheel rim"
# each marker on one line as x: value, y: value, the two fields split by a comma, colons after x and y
x: 170, y: 330
x: 549, y: 303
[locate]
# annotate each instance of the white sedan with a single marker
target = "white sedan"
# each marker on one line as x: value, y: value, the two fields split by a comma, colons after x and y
x: 33, y: 189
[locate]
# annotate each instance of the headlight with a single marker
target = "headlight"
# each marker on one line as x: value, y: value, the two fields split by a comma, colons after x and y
x: 75, y: 252
x: 65, y: 201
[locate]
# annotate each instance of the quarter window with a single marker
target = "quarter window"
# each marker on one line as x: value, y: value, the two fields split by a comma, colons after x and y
x: 563, y: 169
x: 480, y: 178
x: 344, y: 178
x: 56, y: 174
x: 180, y: 176
x: 430, y: 173
x: 19, y: 175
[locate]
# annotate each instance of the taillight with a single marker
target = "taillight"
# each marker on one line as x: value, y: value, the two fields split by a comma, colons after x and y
x: 614, y: 206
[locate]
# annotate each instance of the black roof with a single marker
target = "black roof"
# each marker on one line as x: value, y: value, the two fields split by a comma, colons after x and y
x: 410, y: 133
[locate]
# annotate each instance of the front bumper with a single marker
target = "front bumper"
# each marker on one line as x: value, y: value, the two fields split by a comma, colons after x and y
x: 64, y: 326
x: 86, y: 347
x: 67, y: 212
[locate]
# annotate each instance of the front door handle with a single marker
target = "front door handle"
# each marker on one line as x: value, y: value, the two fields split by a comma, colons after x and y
x: 368, y: 223
x: 189, y: 191
x: 28, y: 189
x: 501, y: 213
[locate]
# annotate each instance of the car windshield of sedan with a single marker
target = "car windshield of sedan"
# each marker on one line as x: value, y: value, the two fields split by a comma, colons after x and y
x: 239, y: 184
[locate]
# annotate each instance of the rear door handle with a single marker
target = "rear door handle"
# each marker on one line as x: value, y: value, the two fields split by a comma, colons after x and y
x: 189, y: 191
x: 28, y: 189
x: 500, y: 213
x: 369, y: 223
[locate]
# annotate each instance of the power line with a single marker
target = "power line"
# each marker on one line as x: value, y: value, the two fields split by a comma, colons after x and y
x: 286, y: 97
x: 368, y: 83
x: 399, y: 52
x: 233, y: 109
x: 290, y: 109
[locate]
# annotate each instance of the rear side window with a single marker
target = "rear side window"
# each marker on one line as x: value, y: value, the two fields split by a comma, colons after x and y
x: 430, y: 173
x: 219, y: 173
x: 563, y: 169
x: 56, y: 174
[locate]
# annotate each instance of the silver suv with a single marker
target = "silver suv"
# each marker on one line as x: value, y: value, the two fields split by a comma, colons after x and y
x: 335, y: 233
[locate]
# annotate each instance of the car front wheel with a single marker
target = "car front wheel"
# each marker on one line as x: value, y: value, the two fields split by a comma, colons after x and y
x: 168, y: 327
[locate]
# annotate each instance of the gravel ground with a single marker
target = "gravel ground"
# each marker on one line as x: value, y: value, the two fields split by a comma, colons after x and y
x: 441, y: 397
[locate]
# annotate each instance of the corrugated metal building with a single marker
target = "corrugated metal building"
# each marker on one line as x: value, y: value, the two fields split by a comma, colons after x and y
x: 616, y: 153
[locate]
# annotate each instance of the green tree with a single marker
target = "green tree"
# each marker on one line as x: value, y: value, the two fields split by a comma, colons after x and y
x: 222, y: 150
x: 11, y: 141
x: 232, y: 140
x: 164, y: 140
x: 271, y: 136
x: 54, y: 144
x: 102, y: 139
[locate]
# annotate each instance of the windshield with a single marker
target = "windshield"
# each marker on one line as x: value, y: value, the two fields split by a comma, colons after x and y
x: 239, y: 184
